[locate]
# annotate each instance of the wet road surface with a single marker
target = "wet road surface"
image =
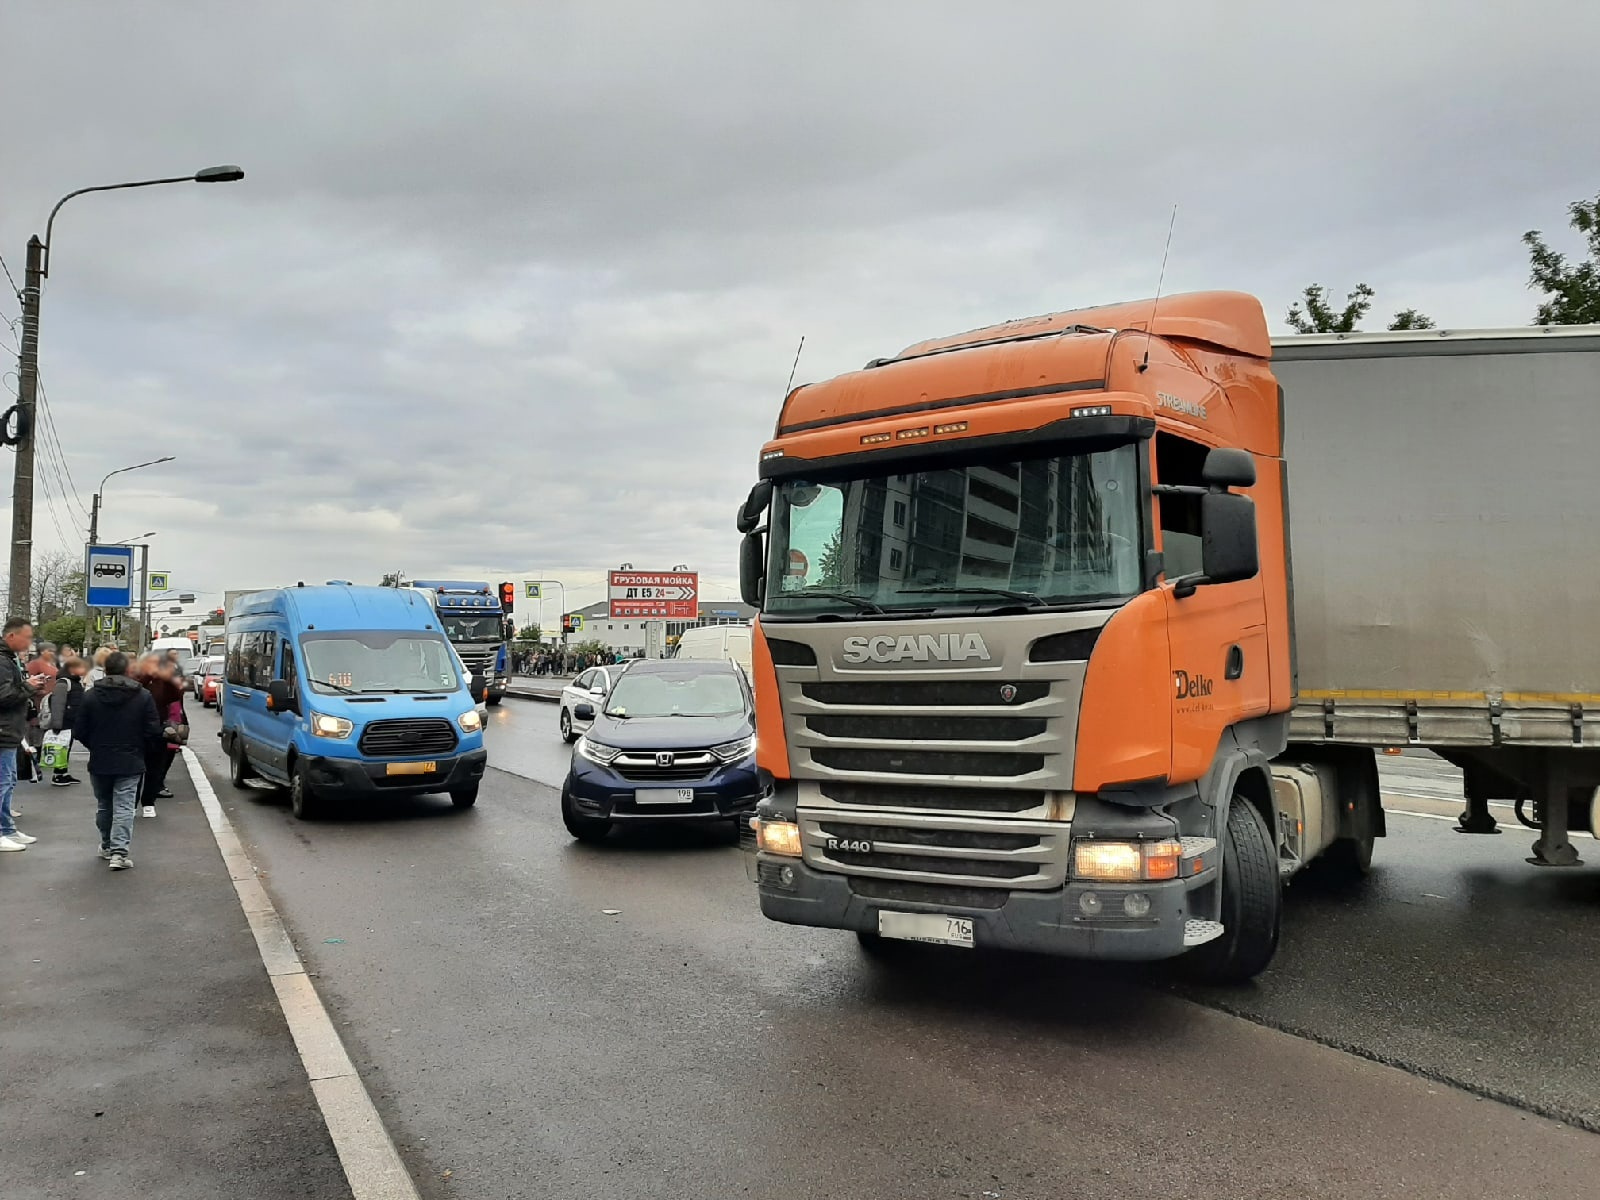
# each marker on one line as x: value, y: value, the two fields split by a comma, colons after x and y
x: 520, y: 1038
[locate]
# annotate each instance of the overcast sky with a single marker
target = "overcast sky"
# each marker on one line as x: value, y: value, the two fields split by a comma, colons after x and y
x: 512, y: 290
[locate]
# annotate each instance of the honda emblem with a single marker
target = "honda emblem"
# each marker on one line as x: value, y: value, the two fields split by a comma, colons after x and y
x: 664, y: 759
x: 1008, y: 692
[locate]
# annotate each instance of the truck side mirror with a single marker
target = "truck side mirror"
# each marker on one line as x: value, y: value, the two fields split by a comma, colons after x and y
x: 1227, y: 467
x: 752, y: 568
x: 1228, y: 550
x: 755, y: 505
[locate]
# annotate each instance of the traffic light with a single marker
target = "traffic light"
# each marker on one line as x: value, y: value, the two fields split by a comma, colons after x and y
x: 508, y: 596
x: 567, y: 625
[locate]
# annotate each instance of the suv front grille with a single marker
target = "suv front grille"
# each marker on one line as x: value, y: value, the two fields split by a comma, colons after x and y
x: 408, y: 735
x: 641, y: 766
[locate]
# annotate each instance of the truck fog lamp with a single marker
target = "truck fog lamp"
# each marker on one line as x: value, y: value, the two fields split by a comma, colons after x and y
x: 1089, y: 904
x: 1136, y: 904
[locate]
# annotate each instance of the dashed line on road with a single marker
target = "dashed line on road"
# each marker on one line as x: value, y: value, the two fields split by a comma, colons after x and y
x: 367, y: 1153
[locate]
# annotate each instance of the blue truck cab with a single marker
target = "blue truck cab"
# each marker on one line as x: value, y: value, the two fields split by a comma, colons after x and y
x: 473, y: 617
x: 342, y: 692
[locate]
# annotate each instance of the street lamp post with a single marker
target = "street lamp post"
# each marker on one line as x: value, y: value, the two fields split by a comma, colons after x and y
x: 94, y: 505
x: 37, y: 269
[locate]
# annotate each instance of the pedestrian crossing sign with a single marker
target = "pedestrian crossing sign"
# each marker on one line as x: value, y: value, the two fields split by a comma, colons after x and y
x: 106, y: 623
x: 531, y: 591
x: 160, y: 581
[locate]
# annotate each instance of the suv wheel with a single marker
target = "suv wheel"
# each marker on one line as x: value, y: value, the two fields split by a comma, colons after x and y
x: 566, y: 727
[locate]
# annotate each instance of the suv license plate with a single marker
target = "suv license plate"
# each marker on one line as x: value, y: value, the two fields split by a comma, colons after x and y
x: 926, y: 927
x: 664, y: 796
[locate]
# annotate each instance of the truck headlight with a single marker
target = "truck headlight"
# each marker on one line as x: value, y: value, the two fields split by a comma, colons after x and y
x: 777, y: 837
x: 470, y: 721
x: 1125, y: 862
x: 734, y: 751
x: 597, y: 751
x: 326, y: 726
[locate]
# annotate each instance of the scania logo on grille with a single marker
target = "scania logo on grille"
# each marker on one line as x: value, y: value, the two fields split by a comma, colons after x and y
x: 925, y: 647
x: 1008, y: 692
x: 664, y: 759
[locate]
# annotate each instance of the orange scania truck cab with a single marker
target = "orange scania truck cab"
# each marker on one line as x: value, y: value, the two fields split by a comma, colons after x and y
x: 1024, y: 654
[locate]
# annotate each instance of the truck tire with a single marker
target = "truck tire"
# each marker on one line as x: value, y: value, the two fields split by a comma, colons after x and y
x: 239, y: 772
x: 567, y: 735
x: 1252, y: 904
x: 303, y: 800
x: 585, y: 829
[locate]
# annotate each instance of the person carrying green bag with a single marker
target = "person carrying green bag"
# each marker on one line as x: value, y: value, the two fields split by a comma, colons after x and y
x: 64, y: 703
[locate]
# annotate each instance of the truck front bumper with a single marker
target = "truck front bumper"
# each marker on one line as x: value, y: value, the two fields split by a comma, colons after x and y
x: 1041, y: 922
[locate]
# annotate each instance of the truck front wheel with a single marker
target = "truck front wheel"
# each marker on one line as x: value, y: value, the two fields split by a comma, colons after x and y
x: 1252, y: 904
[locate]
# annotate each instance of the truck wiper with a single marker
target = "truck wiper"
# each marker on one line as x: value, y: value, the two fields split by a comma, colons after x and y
x: 860, y: 602
x: 1025, y: 597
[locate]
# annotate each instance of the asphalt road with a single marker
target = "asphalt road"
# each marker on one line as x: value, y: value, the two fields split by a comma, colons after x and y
x: 521, y: 1039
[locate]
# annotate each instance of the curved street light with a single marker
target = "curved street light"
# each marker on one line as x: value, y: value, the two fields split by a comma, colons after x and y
x: 36, y: 271
x: 94, y: 509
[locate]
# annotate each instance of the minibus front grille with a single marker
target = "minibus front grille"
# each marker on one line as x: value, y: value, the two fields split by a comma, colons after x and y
x: 406, y: 736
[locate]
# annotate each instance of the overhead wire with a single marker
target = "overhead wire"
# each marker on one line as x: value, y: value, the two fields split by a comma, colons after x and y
x: 53, y: 439
x: 11, y: 279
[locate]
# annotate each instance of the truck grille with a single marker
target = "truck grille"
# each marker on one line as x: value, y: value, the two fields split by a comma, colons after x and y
x: 641, y: 766
x: 408, y: 736
x: 939, y: 849
x: 943, y: 729
x: 929, y: 762
x: 889, y: 795
x: 478, y: 662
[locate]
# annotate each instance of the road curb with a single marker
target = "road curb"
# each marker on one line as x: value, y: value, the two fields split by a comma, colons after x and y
x: 367, y: 1153
x: 537, y: 697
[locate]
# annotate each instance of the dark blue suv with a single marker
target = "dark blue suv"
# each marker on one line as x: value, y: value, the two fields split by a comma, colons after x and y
x: 674, y: 742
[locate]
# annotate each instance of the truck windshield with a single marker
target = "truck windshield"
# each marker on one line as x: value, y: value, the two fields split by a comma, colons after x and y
x: 379, y: 661
x: 1064, y: 529
x: 479, y: 627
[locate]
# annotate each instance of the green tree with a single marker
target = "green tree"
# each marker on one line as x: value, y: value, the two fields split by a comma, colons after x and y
x: 57, y: 586
x: 530, y: 633
x: 1320, y: 316
x: 65, y: 631
x: 1410, y: 318
x: 1314, y: 312
x: 830, y: 567
x: 1573, y: 291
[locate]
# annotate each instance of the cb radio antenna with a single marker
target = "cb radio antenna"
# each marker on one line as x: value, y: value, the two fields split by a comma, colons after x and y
x: 794, y: 366
x: 1160, y: 283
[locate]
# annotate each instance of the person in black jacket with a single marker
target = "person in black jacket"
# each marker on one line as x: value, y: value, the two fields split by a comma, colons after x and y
x: 64, y: 702
x: 17, y: 692
x: 117, y: 723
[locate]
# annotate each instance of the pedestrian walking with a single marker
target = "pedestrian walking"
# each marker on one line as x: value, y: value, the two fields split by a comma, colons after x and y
x: 65, y: 701
x: 118, y: 725
x: 17, y: 693
x: 98, y: 671
x: 166, y: 692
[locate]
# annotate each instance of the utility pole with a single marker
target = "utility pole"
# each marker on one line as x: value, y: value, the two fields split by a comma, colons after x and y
x: 21, y: 598
x: 144, y: 594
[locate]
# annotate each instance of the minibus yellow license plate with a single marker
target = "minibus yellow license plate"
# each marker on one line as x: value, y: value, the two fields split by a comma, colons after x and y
x: 424, y: 768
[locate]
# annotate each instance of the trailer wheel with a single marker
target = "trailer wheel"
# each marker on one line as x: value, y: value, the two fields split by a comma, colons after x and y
x: 1252, y: 904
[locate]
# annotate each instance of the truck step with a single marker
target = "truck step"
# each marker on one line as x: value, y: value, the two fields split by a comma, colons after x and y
x: 1198, y: 933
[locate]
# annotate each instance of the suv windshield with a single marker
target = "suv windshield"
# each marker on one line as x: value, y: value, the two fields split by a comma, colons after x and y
x: 1064, y: 529
x: 379, y: 661
x: 702, y: 694
x: 479, y: 627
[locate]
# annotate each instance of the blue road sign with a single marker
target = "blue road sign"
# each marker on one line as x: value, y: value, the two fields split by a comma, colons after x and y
x: 110, y: 577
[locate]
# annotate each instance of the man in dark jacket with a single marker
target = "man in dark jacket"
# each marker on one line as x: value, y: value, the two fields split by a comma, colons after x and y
x: 17, y: 692
x: 117, y: 723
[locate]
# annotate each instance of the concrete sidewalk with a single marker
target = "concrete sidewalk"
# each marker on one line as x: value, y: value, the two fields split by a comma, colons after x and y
x: 142, y: 1049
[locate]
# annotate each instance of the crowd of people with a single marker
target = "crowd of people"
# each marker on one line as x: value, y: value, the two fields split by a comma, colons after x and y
x: 127, y: 715
x: 554, y: 661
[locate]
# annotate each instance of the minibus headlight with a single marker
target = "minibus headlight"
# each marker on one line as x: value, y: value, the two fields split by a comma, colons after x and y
x: 470, y: 721
x: 330, y: 727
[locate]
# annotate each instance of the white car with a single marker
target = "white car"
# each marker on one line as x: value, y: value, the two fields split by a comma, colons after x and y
x: 592, y: 687
x: 201, y: 667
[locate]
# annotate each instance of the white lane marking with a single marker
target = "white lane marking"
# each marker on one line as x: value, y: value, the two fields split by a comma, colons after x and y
x: 367, y: 1153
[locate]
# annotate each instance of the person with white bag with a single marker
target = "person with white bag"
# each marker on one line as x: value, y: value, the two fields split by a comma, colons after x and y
x: 64, y: 702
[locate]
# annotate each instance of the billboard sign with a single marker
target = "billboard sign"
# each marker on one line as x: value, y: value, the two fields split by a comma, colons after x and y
x: 658, y: 595
x: 109, y: 577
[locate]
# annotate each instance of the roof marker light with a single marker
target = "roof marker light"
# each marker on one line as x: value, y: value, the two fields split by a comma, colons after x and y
x: 907, y: 434
x: 872, y: 439
x: 953, y: 427
x: 1093, y: 410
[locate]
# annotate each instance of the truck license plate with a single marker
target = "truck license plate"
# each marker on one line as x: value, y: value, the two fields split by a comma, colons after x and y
x: 664, y: 796
x: 926, y: 927
x: 416, y: 768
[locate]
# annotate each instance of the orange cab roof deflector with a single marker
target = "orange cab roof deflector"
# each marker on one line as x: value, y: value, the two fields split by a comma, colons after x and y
x: 1229, y: 320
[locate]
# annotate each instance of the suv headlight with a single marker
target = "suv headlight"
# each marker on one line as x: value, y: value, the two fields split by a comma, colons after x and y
x: 734, y: 751
x: 330, y: 727
x: 597, y: 751
x: 470, y: 721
